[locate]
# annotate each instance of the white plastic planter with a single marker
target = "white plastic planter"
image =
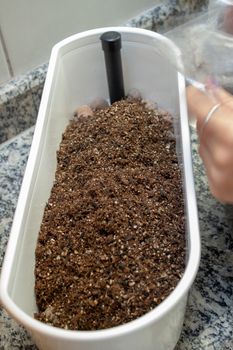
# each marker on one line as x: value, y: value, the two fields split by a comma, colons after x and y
x: 76, y: 76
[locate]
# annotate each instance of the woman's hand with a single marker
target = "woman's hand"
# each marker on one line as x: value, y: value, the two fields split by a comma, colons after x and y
x: 215, y: 137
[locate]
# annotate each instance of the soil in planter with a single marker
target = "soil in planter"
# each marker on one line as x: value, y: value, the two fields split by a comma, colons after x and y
x: 112, y: 241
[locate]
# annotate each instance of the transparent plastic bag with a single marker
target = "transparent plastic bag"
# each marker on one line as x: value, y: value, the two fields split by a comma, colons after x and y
x: 206, y: 45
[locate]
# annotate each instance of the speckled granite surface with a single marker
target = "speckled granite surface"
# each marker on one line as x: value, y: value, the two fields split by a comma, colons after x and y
x: 13, y: 158
x: 19, y: 102
x: 209, y: 317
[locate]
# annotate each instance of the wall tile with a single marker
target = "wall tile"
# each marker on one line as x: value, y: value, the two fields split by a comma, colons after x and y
x: 32, y: 27
x: 4, y: 72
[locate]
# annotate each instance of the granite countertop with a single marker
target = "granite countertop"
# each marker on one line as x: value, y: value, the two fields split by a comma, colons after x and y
x: 209, y: 316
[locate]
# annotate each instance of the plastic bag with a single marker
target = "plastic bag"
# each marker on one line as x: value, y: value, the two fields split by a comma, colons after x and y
x: 206, y: 45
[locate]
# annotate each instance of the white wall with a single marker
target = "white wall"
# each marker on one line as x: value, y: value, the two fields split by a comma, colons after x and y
x: 29, y: 28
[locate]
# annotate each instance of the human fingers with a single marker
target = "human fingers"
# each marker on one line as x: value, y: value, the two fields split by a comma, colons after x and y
x: 219, y: 178
x: 219, y: 94
x: 217, y: 139
x: 199, y: 104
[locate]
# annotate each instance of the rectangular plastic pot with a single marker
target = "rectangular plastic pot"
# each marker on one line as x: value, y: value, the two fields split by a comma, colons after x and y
x: 76, y: 75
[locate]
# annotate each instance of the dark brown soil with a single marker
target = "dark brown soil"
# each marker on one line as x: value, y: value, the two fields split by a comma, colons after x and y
x: 112, y: 242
